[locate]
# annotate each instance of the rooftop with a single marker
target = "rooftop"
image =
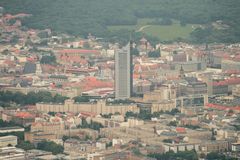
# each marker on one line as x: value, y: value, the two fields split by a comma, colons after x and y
x: 79, y: 51
x: 9, y: 128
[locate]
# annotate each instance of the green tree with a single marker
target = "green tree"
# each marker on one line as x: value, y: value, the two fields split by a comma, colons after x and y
x: 81, y: 99
x: 50, y: 146
x: 48, y: 59
x: 173, y: 123
x: 214, y: 156
x: 154, y: 54
x: 184, y: 155
x: 165, y: 21
x: 26, y: 145
x: 92, y: 125
x: 135, y: 52
x: 107, y: 115
x: 130, y: 114
x: 86, y: 45
x: 167, y: 141
x: 5, y: 52
x: 59, y: 99
x: 52, y: 113
x: 83, y: 17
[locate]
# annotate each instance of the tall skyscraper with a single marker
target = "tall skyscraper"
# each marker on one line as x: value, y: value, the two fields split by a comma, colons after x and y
x: 123, y: 73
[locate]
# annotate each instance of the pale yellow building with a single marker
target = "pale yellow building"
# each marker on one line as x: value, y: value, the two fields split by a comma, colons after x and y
x: 163, y: 106
x: 100, y: 107
x: 71, y: 92
x: 6, y: 141
x: 48, y: 127
x: 166, y: 92
x: 236, y: 91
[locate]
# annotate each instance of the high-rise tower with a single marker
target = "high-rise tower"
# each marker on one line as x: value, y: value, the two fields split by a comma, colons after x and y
x: 123, y: 73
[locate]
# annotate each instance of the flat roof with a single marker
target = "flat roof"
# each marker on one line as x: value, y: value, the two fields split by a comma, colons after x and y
x: 8, y: 128
x: 10, y: 136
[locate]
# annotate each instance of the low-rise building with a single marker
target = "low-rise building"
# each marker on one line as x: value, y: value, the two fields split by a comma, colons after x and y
x: 236, y: 147
x: 11, y: 129
x: 100, y: 107
x: 214, y: 146
x: 35, y: 153
x: 74, y: 145
x: 236, y: 91
x: 181, y: 147
x: 190, y: 66
x: 111, y: 123
x: 166, y: 105
x: 38, y: 136
x: 48, y: 127
x: 23, y: 118
x: 228, y: 64
x: 6, y: 141
x: 166, y: 92
x: 12, y: 153
x: 192, y: 86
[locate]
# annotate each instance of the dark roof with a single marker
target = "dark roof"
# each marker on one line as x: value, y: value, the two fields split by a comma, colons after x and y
x: 22, y: 82
x: 29, y: 68
x: 58, y: 76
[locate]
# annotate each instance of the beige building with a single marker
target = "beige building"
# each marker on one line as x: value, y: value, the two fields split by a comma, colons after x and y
x: 8, y: 141
x: 48, y: 127
x: 166, y: 92
x: 215, y: 146
x: 38, y: 136
x: 236, y: 91
x: 71, y: 92
x: 163, y: 99
x: 76, y: 146
x: 181, y: 147
x: 163, y: 106
x: 12, y: 153
x: 101, y: 107
x: 111, y: 123
x: 230, y: 65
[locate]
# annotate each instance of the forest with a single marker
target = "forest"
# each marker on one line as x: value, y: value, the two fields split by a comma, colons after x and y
x: 80, y: 17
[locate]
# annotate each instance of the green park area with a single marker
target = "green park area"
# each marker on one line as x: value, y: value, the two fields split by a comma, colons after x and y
x: 162, y: 32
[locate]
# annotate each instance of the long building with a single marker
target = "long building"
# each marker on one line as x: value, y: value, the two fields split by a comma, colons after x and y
x: 100, y: 107
x: 5, y: 141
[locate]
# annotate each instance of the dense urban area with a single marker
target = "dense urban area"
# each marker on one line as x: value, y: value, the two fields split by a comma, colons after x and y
x: 119, y: 80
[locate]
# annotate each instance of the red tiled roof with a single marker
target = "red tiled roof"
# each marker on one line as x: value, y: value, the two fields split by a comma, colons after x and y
x: 17, y: 51
x: 106, y: 91
x: 181, y: 130
x: 9, y: 63
x: 90, y: 83
x: 221, y: 107
x: 32, y: 59
x: 76, y: 59
x: 231, y: 81
x: 222, y: 54
x: 45, y: 124
x: 24, y: 115
x: 232, y: 71
x: 79, y: 51
x: 48, y: 68
x: 31, y: 107
x: 87, y: 114
x: 138, y: 67
x: 237, y: 57
x: 82, y: 70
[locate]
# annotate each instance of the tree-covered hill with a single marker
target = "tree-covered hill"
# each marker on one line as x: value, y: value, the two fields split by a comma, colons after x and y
x: 80, y: 17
